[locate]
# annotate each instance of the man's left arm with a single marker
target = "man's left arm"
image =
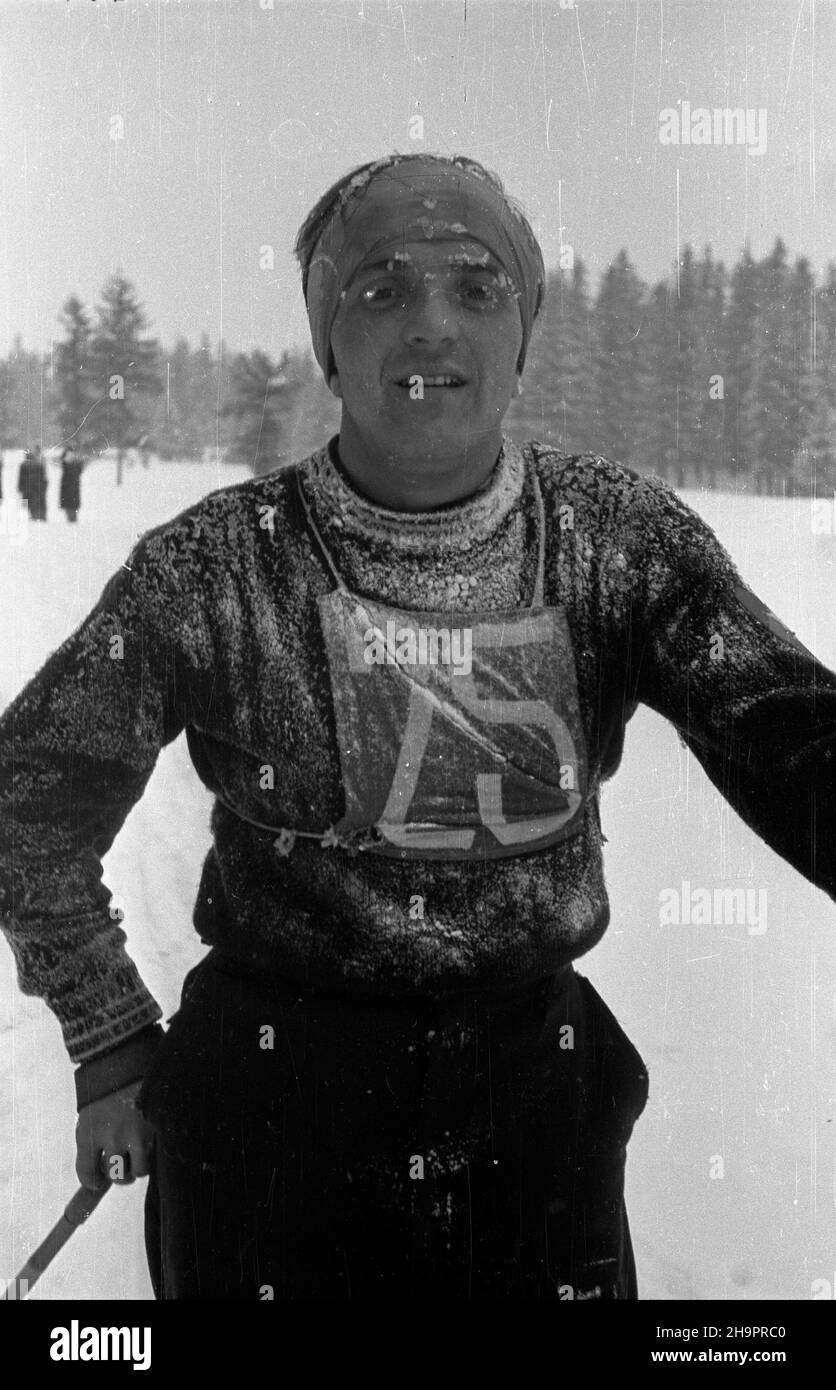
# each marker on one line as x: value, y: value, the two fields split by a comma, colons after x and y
x: 752, y: 704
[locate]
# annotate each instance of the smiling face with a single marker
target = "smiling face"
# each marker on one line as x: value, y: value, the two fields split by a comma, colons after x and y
x: 426, y: 342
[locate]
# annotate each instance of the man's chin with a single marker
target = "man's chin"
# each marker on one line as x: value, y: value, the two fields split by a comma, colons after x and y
x: 436, y: 431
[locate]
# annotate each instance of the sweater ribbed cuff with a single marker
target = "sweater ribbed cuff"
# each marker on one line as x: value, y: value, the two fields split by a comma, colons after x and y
x: 118, y: 1067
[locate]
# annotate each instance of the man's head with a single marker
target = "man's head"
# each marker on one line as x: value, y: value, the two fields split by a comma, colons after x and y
x: 422, y: 281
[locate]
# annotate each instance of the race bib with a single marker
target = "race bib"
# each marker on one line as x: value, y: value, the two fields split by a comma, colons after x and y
x: 460, y: 734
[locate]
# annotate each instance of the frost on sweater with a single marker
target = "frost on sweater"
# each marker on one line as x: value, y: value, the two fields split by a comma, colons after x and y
x: 220, y: 636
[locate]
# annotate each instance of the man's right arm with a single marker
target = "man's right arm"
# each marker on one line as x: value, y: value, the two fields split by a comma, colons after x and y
x: 77, y: 747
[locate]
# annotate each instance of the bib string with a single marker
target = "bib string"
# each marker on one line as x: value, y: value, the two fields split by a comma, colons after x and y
x: 341, y: 585
x: 540, y: 580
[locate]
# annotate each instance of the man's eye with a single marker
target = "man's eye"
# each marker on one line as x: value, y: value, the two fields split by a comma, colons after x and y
x: 481, y: 291
x: 484, y: 291
x: 381, y: 294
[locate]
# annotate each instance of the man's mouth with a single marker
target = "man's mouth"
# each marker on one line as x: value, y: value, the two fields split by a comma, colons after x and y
x: 451, y: 382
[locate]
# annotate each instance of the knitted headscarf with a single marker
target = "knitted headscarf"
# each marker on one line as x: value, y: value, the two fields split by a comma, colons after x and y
x: 406, y: 200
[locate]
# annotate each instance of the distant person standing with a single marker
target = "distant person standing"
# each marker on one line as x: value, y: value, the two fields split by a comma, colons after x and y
x: 69, y: 497
x: 31, y: 484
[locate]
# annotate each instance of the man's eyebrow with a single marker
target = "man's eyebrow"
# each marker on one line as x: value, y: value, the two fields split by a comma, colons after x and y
x: 468, y: 259
x: 387, y: 263
x: 478, y: 262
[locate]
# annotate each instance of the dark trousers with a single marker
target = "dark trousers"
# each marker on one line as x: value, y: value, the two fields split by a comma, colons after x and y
x: 311, y: 1144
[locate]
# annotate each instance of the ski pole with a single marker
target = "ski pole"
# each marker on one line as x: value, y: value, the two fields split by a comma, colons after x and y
x: 77, y: 1210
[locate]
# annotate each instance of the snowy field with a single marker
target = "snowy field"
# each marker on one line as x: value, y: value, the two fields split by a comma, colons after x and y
x: 736, y: 1024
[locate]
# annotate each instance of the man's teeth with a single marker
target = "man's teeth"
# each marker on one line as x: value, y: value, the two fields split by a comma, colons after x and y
x: 432, y: 381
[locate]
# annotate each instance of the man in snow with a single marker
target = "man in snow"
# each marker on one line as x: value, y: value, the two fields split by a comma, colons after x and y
x: 387, y: 1076
x: 69, y: 496
x: 31, y: 484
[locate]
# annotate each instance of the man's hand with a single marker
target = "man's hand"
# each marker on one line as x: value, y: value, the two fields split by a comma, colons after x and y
x: 113, y: 1129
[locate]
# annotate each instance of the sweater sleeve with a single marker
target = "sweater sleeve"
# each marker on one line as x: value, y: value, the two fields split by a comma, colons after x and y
x: 110, y: 1071
x: 752, y: 704
x: 77, y: 747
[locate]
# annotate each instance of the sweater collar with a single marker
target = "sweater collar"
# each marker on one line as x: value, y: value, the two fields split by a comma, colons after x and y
x: 340, y: 506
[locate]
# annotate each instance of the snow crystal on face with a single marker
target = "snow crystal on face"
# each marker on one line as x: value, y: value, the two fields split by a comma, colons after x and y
x: 470, y: 258
x: 435, y: 227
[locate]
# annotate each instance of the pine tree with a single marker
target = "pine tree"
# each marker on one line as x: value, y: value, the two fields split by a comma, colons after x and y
x: 741, y: 369
x: 73, y: 386
x: 260, y: 407
x: 173, y: 425
x: 205, y: 394
x: 801, y: 375
x: 688, y: 460
x: 315, y: 417
x: 184, y: 422
x: 774, y: 442
x: 556, y: 404
x: 126, y: 366
x: 699, y: 324
x: 818, y: 423
x: 655, y: 437
x: 618, y: 376
x: 711, y: 338
x: 196, y: 387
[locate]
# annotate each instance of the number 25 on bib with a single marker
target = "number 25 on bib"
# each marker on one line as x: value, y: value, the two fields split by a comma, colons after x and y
x: 460, y: 735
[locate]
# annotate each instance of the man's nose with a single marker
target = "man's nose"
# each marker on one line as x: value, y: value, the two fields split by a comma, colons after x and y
x: 431, y: 317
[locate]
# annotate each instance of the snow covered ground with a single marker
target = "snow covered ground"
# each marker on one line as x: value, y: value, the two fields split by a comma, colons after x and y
x: 732, y: 1171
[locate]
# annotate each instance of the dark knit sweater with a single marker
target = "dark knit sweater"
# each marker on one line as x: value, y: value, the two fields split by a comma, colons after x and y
x: 221, y: 637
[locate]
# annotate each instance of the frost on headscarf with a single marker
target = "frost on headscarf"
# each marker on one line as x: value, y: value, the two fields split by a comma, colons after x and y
x: 404, y: 198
